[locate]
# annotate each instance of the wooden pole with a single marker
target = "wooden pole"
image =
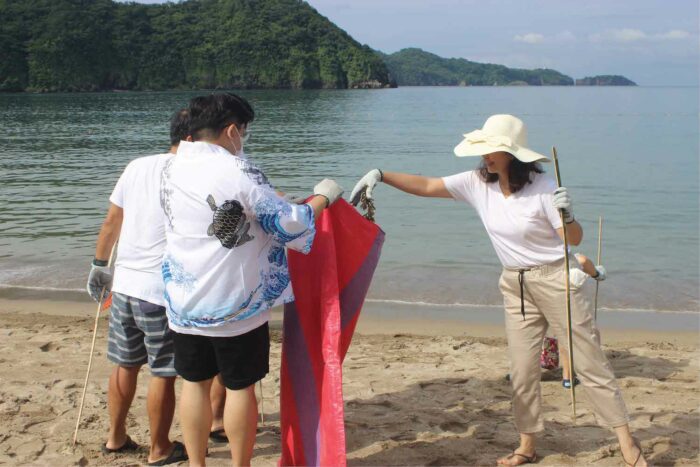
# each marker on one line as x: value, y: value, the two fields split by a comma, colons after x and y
x: 572, y: 376
x: 92, y: 350
x: 597, y: 283
x: 262, y: 406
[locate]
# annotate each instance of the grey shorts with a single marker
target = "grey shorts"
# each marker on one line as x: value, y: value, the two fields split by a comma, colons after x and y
x: 139, y: 334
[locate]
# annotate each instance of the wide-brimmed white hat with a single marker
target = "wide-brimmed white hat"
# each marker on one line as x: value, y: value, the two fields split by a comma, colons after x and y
x: 500, y: 133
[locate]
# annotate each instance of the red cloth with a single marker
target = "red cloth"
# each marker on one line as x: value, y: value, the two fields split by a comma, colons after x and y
x: 330, y: 285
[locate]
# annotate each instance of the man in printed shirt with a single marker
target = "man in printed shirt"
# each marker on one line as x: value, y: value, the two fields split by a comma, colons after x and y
x: 138, y: 326
x: 225, y: 267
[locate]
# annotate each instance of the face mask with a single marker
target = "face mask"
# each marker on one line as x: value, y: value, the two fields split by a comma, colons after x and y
x: 242, y: 139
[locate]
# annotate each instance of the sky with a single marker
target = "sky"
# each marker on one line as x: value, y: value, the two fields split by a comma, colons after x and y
x: 652, y: 42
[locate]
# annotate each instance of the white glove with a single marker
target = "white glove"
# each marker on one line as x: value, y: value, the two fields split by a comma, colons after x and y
x: 329, y: 189
x: 602, y: 274
x: 100, y: 277
x: 562, y: 200
x: 294, y: 199
x: 368, y: 182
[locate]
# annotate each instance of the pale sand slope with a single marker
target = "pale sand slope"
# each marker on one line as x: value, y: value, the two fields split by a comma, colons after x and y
x: 410, y: 399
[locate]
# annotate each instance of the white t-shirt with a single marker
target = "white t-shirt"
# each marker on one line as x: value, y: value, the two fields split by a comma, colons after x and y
x: 522, y: 227
x: 225, y: 265
x: 137, y: 270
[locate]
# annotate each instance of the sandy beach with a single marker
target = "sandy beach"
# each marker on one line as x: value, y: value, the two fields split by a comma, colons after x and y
x: 417, y: 392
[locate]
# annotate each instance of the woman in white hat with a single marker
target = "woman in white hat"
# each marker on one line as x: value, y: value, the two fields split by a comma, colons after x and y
x: 520, y: 206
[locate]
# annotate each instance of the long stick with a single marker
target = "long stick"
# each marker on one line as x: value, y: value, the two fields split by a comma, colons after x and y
x: 262, y: 406
x: 569, y: 335
x: 92, y: 351
x: 600, y: 237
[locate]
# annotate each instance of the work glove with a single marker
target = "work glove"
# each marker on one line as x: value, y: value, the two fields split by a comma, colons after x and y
x: 294, y: 199
x: 100, y: 276
x: 368, y: 182
x: 602, y: 273
x: 562, y: 200
x: 329, y: 189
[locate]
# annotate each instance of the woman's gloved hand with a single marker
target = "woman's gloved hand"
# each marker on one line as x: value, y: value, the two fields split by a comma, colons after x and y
x: 368, y: 182
x: 562, y: 200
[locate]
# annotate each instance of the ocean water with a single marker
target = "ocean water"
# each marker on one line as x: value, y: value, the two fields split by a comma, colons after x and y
x: 627, y: 154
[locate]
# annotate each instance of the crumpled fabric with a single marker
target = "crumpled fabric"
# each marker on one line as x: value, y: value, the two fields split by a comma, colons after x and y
x: 479, y: 136
x: 330, y: 285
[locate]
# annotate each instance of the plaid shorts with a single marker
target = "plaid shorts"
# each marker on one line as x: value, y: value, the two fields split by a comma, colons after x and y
x: 139, y: 333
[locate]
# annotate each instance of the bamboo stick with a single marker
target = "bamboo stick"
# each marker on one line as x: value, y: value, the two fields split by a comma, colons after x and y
x: 569, y: 335
x: 597, y: 283
x: 92, y: 351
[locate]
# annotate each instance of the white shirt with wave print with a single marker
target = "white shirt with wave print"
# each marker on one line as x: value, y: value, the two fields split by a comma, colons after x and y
x: 225, y: 265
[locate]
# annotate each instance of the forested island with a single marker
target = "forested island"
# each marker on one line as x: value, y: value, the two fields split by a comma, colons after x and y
x: 416, y: 67
x: 99, y: 45
x: 605, y: 80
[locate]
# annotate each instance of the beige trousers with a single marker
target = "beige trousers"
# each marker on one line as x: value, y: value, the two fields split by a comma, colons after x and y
x: 544, y: 297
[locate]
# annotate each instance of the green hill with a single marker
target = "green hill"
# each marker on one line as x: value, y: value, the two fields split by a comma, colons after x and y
x: 415, y: 67
x: 91, y: 45
x: 605, y: 80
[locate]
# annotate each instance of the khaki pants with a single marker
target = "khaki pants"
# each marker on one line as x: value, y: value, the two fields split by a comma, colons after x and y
x: 545, y: 304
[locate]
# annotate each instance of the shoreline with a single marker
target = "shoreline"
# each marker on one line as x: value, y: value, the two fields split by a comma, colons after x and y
x: 381, y: 318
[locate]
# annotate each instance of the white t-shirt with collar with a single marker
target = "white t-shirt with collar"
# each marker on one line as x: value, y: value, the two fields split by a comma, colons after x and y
x: 522, y: 227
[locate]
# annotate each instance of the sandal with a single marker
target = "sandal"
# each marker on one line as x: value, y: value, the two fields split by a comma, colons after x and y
x: 218, y: 436
x: 128, y: 446
x: 178, y: 454
x: 528, y: 459
x: 638, y: 446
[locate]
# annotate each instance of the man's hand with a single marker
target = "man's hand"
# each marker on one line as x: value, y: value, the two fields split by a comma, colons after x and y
x: 100, y: 277
x: 329, y: 189
x: 368, y: 182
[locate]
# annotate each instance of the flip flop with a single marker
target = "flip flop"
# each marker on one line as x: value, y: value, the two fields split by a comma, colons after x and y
x: 128, y: 446
x: 218, y: 436
x: 178, y: 454
x: 638, y: 446
x: 528, y: 460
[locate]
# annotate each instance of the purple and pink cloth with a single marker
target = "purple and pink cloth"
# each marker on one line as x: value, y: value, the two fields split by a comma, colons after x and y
x: 330, y: 285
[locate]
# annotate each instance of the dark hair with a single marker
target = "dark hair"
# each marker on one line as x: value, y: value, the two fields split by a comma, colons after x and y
x: 179, y: 126
x: 209, y: 115
x: 518, y: 173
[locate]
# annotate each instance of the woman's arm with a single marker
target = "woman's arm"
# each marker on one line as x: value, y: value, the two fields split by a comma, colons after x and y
x: 574, y: 232
x: 431, y: 187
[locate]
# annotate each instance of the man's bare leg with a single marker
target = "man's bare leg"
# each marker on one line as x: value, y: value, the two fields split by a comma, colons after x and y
x: 241, y: 423
x: 161, y: 409
x: 218, y: 400
x: 195, y: 419
x: 120, y: 394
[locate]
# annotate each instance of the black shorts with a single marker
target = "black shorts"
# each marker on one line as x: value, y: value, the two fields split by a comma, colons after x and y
x: 242, y: 360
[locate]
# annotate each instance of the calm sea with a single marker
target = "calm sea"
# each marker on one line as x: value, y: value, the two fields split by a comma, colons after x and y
x: 628, y: 154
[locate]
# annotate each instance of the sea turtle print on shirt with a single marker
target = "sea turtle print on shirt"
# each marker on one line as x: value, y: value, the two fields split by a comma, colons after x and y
x: 229, y: 224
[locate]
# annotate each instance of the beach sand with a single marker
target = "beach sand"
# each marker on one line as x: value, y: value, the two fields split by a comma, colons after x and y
x: 417, y: 392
